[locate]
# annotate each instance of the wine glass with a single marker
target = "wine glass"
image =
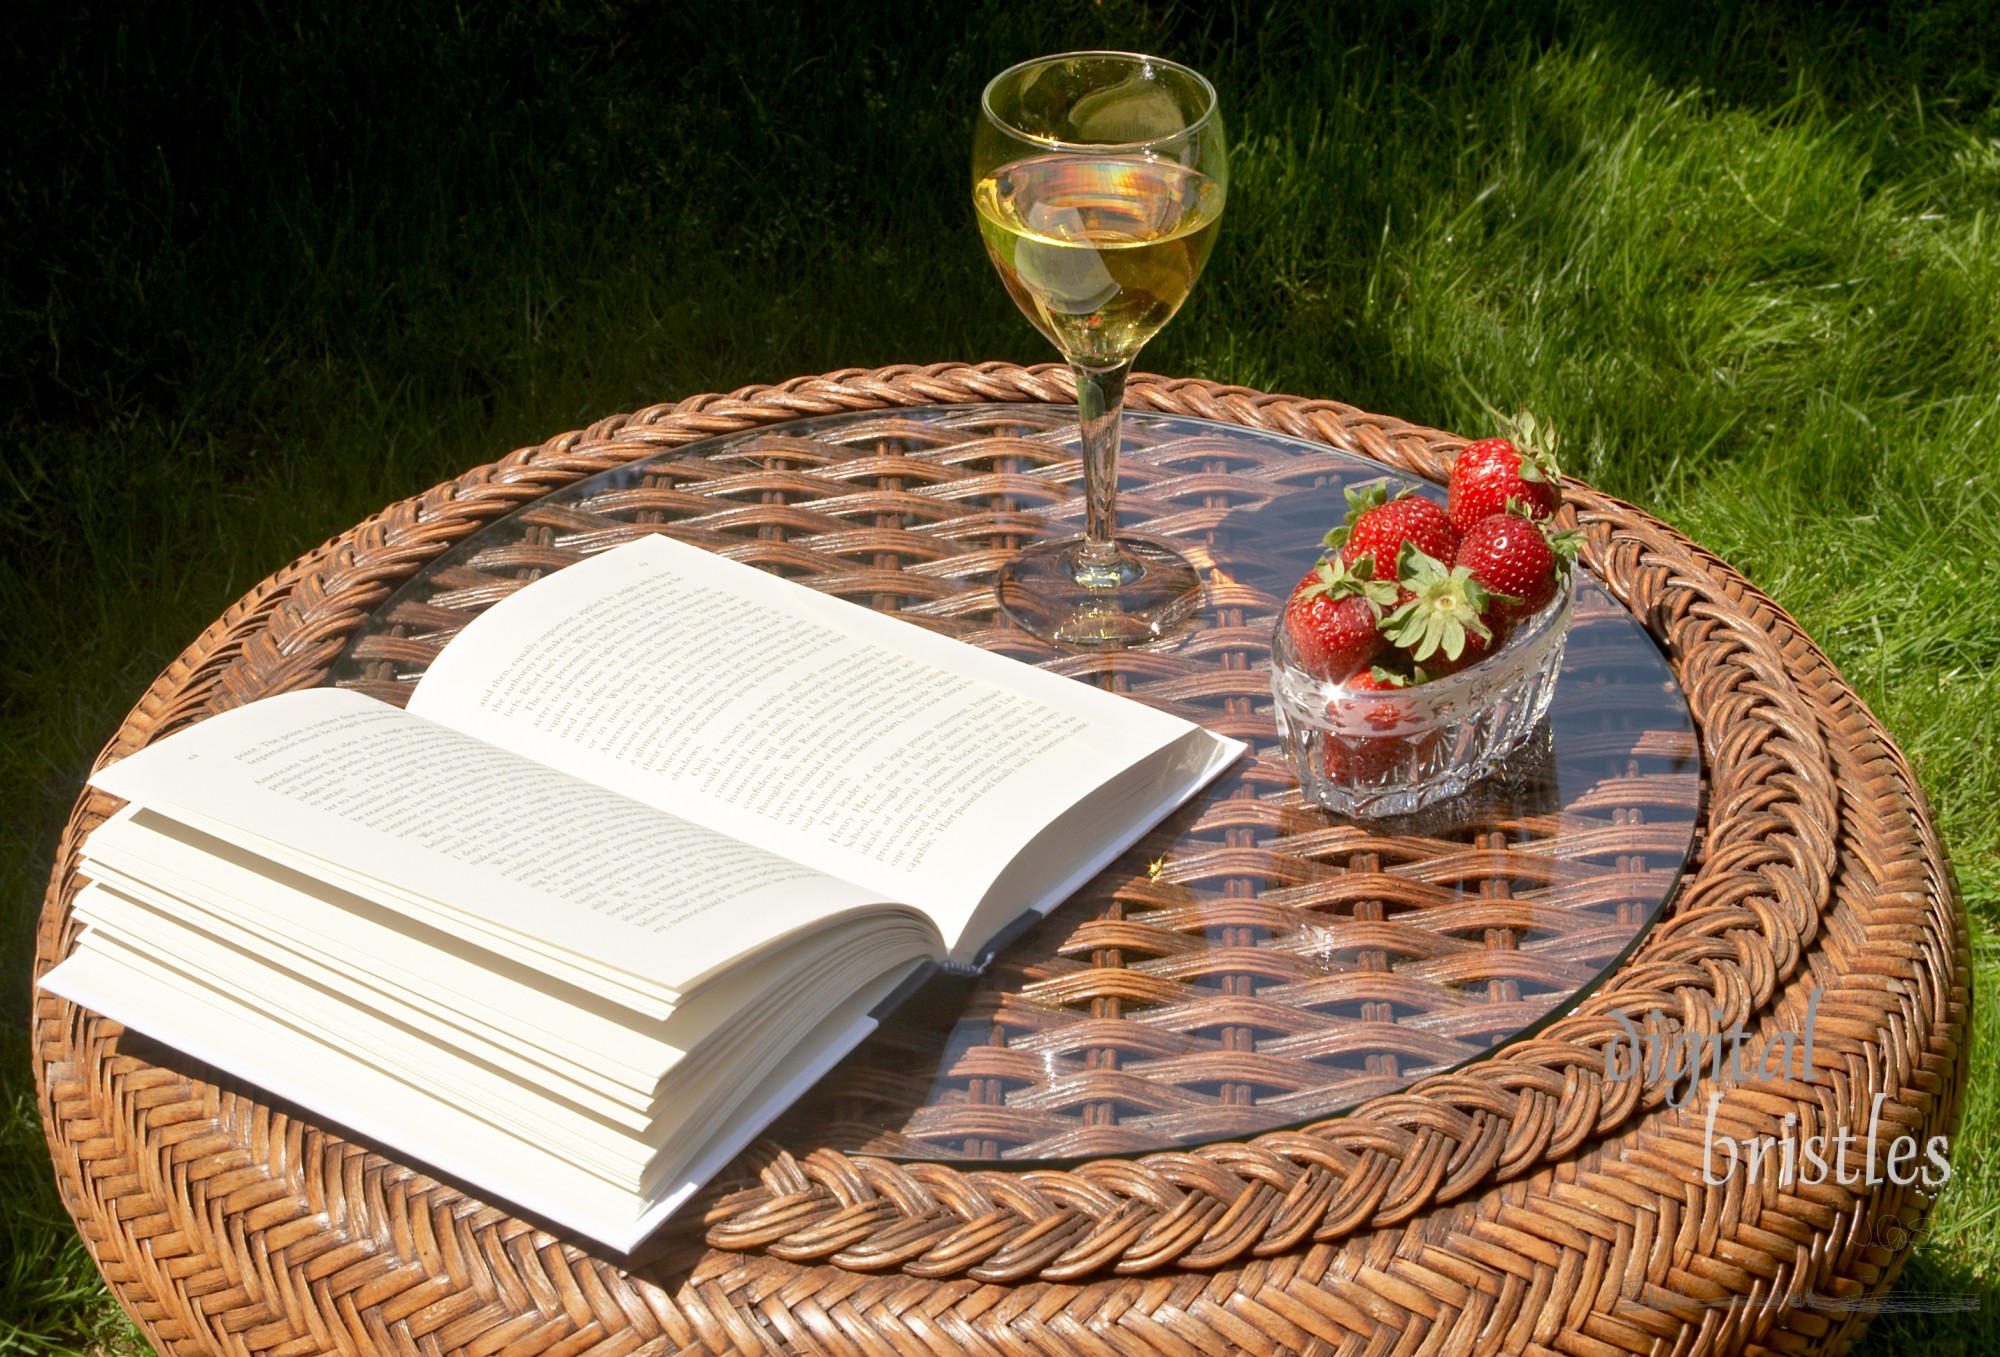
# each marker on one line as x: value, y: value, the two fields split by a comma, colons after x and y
x: 1099, y: 179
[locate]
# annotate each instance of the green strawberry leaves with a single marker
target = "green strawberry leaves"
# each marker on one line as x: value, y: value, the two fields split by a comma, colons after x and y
x: 1565, y: 545
x: 1536, y: 443
x: 1336, y: 579
x: 1447, y: 606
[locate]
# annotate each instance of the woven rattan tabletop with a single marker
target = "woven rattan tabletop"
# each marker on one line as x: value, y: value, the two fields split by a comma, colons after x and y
x: 1532, y: 1200
x: 1256, y: 964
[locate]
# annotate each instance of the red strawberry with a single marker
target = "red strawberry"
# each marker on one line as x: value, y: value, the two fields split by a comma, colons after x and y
x: 1376, y: 679
x: 1493, y: 473
x: 1359, y: 759
x: 1476, y: 649
x: 1354, y: 758
x: 1445, y: 616
x: 1510, y: 555
x: 1333, y: 618
x: 1378, y: 526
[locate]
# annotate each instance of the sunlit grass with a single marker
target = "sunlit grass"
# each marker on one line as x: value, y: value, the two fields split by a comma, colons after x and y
x: 262, y: 278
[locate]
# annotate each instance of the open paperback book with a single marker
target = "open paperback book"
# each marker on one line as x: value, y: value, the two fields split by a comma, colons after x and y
x: 655, y: 838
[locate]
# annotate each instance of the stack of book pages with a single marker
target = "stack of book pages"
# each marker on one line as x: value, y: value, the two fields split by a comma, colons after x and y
x: 654, y: 841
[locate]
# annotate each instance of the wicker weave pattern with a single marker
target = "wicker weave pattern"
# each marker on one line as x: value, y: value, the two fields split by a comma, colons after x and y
x: 1254, y: 969
x: 1526, y: 1204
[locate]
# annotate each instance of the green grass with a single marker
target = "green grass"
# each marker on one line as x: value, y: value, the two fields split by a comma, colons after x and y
x: 264, y: 272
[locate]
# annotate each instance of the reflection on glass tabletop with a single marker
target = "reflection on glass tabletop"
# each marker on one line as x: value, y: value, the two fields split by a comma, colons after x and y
x: 1256, y: 962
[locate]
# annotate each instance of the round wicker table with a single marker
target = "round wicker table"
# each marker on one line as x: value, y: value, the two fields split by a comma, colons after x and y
x: 1124, y: 1139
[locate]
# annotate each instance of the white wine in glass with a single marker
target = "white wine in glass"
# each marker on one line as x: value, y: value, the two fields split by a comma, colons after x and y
x: 1099, y: 180
x: 1098, y: 252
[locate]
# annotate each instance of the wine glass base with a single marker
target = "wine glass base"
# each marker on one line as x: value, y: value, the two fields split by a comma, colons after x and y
x: 1143, y: 592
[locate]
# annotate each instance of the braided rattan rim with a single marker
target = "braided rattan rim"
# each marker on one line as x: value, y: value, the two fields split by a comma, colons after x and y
x: 1819, y: 867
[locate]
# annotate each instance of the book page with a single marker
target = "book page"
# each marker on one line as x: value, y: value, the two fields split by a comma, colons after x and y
x: 380, y: 955
x: 301, y: 1065
x: 480, y: 1075
x: 865, y: 746
x: 575, y: 868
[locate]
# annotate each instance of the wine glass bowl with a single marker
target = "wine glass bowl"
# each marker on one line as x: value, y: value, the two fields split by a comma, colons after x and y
x: 1099, y: 180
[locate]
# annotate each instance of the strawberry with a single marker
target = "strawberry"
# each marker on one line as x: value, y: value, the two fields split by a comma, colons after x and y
x: 1378, y: 525
x: 1510, y: 555
x: 1476, y: 649
x: 1445, y: 615
x: 1377, y: 679
x: 1333, y: 618
x: 1358, y: 759
x: 1491, y: 474
x: 1353, y: 758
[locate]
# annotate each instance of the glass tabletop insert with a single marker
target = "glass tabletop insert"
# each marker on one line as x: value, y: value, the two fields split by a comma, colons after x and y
x: 1257, y: 962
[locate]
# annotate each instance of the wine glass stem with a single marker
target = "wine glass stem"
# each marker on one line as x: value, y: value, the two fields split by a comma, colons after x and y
x: 1100, y: 404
